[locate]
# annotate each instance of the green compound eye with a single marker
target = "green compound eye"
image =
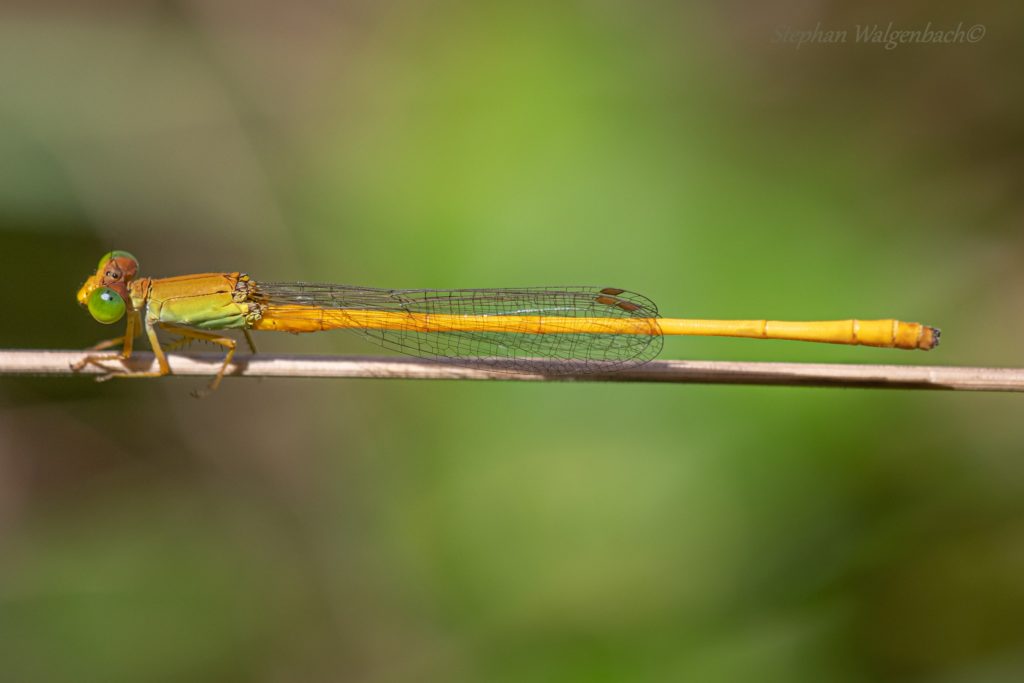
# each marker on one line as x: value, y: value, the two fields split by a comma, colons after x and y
x: 116, y: 254
x: 106, y: 305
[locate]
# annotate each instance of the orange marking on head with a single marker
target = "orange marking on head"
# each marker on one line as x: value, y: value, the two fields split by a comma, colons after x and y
x: 117, y: 274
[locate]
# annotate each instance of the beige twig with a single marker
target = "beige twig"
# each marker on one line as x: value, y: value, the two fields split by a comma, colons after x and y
x: 58, y: 363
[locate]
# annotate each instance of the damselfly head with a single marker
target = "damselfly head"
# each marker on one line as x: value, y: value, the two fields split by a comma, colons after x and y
x: 105, y: 293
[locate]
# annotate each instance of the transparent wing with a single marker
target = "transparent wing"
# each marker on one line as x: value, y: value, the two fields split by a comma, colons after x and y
x: 506, y: 349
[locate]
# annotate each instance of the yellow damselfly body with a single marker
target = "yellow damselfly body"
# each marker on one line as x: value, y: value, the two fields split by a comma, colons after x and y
x: 577, y: 330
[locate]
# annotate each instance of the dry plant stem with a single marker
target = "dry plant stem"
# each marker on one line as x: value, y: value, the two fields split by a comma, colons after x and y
x: 59, y: 363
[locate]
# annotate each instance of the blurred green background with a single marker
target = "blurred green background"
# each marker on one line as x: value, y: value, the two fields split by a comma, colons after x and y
x: 387, y: 531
